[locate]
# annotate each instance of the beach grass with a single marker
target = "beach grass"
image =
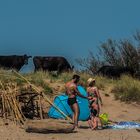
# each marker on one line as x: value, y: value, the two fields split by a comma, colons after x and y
x: 126, y: 89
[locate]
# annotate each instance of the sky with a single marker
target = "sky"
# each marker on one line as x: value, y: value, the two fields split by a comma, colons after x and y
x: 69, y: 28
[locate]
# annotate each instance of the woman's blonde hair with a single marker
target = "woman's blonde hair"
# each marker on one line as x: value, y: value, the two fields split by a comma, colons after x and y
x: 90, y: 81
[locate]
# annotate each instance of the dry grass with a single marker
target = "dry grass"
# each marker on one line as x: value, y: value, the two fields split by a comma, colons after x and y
x: 125, y: 89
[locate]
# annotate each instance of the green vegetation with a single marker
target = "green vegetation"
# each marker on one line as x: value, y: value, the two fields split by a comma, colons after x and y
x: 122, y: 52
x: 126, y: 88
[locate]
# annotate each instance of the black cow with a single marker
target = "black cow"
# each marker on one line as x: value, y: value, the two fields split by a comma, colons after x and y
x: 13, y: 61
x: 115, y: 71
x: 51, y: 63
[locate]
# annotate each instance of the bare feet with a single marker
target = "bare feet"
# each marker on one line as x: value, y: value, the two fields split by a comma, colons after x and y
x: 75, y: 128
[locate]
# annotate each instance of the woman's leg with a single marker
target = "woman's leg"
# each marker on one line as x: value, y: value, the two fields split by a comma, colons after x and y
x: 92, y: 122
x: 95, y: 123
x: 99, y: 123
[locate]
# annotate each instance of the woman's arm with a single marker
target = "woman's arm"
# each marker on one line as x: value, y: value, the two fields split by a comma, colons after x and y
x: 87, y: 92
x: 98, y: 94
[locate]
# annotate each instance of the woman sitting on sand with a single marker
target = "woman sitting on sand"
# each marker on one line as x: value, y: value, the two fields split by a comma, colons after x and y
x: 93, y: 93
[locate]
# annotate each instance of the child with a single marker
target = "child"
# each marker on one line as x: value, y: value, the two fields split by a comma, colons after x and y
x: 94, y: 120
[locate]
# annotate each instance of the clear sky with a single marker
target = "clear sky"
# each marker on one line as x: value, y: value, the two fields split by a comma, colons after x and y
x: 68, y: 28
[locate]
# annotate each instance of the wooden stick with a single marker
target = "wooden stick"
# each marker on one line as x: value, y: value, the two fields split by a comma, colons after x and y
x: 16, y: 108
x: 10, y: 109
x: 6, y: 105
x: 6, y: 99
x: 40, y: 108
x: 48, y: 126
x: 45, y: 97
x: 3, y: 102
x: 17, y: 104
x: 10, y: 101
x: 3, y: 108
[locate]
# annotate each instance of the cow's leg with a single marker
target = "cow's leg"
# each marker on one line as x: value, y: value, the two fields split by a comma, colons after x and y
x: 59, y: 69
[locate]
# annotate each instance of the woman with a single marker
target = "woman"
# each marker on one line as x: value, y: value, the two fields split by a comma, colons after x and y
x: 95, y: 98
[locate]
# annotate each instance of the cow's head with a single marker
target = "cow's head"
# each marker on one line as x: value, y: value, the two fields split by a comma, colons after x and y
x: 25, y: 58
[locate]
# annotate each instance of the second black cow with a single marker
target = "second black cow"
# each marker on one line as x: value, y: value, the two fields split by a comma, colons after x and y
x: 51, y: 63
x: 115, y: 71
